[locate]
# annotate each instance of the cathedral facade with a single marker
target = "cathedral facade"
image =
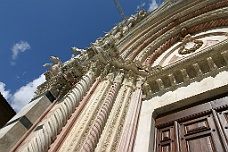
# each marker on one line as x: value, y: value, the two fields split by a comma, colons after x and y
x: 156, y: 82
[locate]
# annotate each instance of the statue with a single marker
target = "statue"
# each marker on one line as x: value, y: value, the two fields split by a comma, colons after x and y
x: 55, y: 68
x: 81, y: 52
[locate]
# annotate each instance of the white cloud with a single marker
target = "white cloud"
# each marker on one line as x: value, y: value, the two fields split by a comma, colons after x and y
x: 6, y: 93
x: 19, y: 47
x: 23, y: 95
x: 153, y: 5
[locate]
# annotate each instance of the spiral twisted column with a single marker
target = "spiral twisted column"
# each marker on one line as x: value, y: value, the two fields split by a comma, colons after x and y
x: 113, y: 128
x: 81, y: 127
x: 101, y: 119
x: 65, y: 130
x: 58, y: 118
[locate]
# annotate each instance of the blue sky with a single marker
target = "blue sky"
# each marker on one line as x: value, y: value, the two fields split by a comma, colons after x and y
x: 33, y: 30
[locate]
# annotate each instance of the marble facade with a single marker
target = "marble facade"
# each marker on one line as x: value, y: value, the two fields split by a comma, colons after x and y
x: 107, y: 97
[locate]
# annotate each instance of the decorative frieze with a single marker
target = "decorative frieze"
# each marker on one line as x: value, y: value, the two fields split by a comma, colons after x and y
x: 211, y: 64
x: 197, y: 69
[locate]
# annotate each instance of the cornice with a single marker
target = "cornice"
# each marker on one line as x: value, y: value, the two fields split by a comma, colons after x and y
x: 196, y: 67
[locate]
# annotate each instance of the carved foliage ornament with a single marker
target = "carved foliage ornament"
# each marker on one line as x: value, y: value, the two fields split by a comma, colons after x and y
x: 189, y: 45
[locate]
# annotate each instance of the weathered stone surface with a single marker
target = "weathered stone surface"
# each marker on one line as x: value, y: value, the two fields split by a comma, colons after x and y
x: 22, y: 121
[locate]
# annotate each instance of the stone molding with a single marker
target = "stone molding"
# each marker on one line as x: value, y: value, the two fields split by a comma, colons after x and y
x: 209, y: 62
x: 165, y: 30
x: 164, y: 15
x: 127, y: 139
x: 100, y: 121
x: 113, y: 128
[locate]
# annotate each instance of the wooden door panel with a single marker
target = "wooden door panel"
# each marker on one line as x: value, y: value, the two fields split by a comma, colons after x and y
x: 189, y: 113
x: 220, y: 103
x: 202, y: 128
x: 196, y: 126
x: 223, y: 118
x: 200, y: 144
x: 165, y: 139
x: 166, y: 148
x: 221, y: 109
x: 200, y: 135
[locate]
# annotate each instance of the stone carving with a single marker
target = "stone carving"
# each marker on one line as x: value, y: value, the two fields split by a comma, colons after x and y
x: 100, y: 126
x: 126, y: 141
x: 105, y: 44
x: 54, y: 69
x: 101, y: 119
x: 116, y: 120
x: 63, y: 76
x: 189, y: 45
x: 79, y: 134
x: 123, y: 28
x: 81, y: 53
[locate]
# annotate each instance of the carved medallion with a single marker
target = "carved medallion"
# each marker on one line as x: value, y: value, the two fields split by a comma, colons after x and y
x: 189, y: 45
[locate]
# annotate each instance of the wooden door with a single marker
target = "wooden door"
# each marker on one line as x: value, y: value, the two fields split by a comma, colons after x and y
x: 201, y: 128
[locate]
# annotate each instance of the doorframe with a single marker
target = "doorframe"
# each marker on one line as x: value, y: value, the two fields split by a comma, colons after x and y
x: 182, y: 104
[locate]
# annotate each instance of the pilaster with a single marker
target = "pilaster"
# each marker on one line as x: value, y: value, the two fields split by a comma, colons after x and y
x: 101, y: 119
x: 126, y: 142
x: 114, y: 126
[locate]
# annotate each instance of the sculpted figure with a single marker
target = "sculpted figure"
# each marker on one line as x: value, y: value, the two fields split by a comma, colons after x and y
x: 97, y: 45
x: 81, y: 52
x: 54, y: 68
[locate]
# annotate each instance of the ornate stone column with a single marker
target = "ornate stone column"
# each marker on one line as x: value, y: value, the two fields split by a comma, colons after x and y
x: 65, y: 130
x: 114, y: 126
x: 127, y: 139
x: 80, y: 129
x: 101, y: 119
x: 46, y: 132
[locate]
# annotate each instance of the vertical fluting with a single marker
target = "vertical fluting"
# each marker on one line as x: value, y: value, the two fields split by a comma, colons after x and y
x: 100, y: 121
x: 54, y: 123
x: 129, y: 131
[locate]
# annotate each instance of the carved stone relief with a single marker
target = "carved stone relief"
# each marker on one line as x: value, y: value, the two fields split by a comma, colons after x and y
x: 191, y: 44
